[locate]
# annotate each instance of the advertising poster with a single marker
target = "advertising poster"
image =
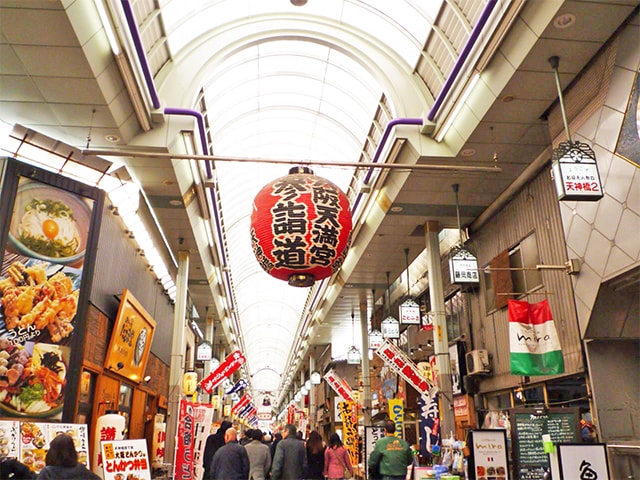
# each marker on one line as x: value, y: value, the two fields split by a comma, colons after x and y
x: 40, y: 279
x: 396, y: 414
x: 371, y: 436
x: 126, y: 460
x: 183, y: 465
x: 31, y: 441
x: 202, y: 416
x: 9, y: 433
x: 489, y: 453
x: 583, y: 461
x: 349, y: 415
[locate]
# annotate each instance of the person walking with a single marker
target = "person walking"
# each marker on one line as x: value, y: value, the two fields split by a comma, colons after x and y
x: 214, y: 442
x: 259, y: 456
x: 391, y: 455
x: 315, y: 456
x: 290, y: 460
x: 62, y: 462
x: 337, y: 464
x: 231, y: 461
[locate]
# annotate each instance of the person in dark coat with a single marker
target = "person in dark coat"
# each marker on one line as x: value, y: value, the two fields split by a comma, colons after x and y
x: 315, y: 456
x: 274, y: 444
x: 231, y: 461
x: 214, y: 442
x: 15, y: 470
x: 290, y: 461
x: 62, y: 462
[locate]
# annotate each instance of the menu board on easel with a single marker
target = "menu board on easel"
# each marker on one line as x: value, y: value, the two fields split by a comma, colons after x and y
x: 527, y: 427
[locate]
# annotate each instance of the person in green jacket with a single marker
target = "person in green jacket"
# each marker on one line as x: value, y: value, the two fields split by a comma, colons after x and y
x: 391, y: 455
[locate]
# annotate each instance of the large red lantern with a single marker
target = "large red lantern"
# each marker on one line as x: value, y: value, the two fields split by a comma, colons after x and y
x: 300, y: 227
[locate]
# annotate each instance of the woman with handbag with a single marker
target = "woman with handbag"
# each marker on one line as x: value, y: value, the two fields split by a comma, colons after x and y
x: 337, y: 465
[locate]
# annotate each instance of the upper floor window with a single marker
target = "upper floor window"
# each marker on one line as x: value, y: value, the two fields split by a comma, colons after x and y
x: 512, y: 274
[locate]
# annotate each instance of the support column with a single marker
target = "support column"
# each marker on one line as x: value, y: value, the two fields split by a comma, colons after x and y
x: 177, y: 350
x: 366, y: 373
x: 208, y: 336
x: 440, y: 336
x: 313, y: 399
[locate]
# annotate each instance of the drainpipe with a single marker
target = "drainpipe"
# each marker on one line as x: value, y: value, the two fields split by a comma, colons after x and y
x: 464, y: 54
x: 137, y: 42
x: 383, y: 141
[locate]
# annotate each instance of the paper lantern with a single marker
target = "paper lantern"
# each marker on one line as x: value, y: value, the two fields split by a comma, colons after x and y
x: 189, y: 383
x: 110, y: 426
x: 300, y: 227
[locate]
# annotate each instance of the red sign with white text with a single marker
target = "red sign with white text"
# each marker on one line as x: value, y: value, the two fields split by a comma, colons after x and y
x: 232, y: 363
x: 402, y: 365
x: 243, y: 402
x: 340, y: 386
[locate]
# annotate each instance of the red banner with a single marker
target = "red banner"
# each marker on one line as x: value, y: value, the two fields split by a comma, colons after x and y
x: 232, y: 363
x: 340, y: 386
x: 243, y: 402
x: 183, y: 465
x: 402, y: 365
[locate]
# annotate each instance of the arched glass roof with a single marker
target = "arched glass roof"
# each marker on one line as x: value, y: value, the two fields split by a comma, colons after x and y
x: 294, y: 92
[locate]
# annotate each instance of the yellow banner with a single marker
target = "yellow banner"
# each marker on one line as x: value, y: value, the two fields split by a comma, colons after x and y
x: 349, y: 415
x: 396, y: 414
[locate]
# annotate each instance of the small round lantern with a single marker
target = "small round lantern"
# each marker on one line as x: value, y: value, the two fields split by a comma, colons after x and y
x: 189, y: 383
x: 300, y: 227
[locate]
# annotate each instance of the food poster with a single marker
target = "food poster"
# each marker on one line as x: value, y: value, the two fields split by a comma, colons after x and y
x: 39, y: 290
x: 79, y: 433
x: 489, y: 455
x: 126, y: 460
x: 9, y: 433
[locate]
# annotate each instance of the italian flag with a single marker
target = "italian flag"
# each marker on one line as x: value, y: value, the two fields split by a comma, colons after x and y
x: 534, y: 343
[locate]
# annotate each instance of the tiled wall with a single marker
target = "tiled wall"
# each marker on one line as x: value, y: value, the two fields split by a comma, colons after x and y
x: 605, y: 235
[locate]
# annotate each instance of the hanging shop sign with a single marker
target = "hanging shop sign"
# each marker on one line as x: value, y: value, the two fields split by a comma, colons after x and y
x: 375, y: 339
x: 239, y: 385
x: 402, y: 365
x: 410, y: 313
x: 575, y: 172
x: 130, y: 342
x: 301, y: 227
x: 243, y: 402
x: 232, y: 363
x: 339, y: 385
x: 463, y: 267
x: 126, y: 459
x: 390, y: 327
x: 353, y: 355
x: 204, y: 352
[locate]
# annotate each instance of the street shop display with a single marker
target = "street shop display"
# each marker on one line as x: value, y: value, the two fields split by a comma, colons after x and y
x: 527, y: 428
x: 126, y: 460
x: 28, y: 442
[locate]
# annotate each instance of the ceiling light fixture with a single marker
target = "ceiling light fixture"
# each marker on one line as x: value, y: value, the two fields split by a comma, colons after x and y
x: 298, y: 3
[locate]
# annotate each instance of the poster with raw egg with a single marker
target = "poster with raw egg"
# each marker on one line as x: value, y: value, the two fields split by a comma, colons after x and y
x: 40, y: 279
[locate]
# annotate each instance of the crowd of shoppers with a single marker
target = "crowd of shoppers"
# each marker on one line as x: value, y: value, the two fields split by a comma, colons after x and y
x: 289, y: 457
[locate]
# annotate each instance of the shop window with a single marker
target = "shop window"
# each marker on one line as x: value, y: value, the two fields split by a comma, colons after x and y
x: 512, y: 274
x: 454, y: 310
x: 528, y: 396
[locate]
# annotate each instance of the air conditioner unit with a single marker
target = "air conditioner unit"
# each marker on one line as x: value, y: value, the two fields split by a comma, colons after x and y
x: 477, y: 362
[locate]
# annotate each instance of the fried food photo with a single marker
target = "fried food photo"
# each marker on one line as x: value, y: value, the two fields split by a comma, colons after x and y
x: 30, y: 299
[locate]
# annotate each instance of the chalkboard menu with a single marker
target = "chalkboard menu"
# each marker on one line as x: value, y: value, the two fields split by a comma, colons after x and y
x: 527, y: 427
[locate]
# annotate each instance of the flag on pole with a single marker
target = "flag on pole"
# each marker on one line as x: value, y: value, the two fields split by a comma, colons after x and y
x: 535, y: 346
